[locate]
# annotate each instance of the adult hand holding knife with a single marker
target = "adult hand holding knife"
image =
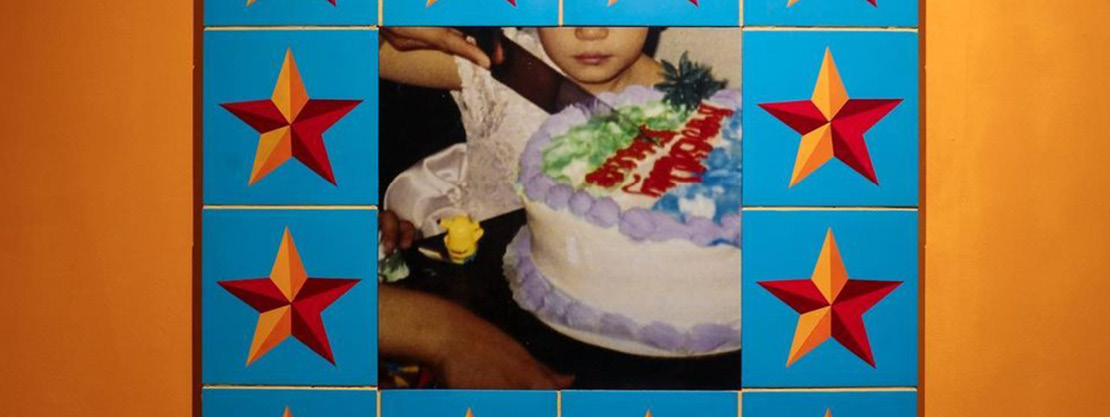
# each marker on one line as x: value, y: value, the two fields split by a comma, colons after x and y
x: 509, y: 63
x: 449, y: 40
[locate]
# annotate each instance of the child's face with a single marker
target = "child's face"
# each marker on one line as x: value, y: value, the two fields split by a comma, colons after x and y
x: 592, y: 55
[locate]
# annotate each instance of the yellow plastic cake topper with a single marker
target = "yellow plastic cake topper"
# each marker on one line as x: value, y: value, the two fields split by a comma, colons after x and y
x: 462, y: 237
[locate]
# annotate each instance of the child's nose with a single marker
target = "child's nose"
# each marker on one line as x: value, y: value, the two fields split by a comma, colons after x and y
x: 591, y: 33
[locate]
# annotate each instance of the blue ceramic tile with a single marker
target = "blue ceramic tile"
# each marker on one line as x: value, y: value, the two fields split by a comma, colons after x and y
x: 290, y: 12
x: 332, y: 244
x: 470, y: 13
x: 782, y: 66
x: 244, y: 66
x: 873, y: 246
x: 652, y: 12
x: 455, y: 403
x: 835, y: 404
x: 883, y: 13
x: 659, y: 403
x: 300, y: 403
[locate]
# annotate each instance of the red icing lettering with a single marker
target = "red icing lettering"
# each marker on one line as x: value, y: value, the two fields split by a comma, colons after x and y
x: 681, y: 164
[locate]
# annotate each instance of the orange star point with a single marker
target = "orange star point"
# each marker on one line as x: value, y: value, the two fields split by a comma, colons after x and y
x: 828, y: 412
x: 830, y: 305
x: 286, y: 413
x: 289, y: 303
x: 832, y: 125
x: 469, y: 413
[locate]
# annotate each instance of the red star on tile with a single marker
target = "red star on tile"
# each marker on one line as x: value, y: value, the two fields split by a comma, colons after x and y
x: 831, y: 124
x: 830, y: 305
x: 291, y: 124
x: 289, y: 303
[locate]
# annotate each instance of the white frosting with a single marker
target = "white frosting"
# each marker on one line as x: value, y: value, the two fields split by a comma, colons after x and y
x: 675, y: 281
x: 700, y: 205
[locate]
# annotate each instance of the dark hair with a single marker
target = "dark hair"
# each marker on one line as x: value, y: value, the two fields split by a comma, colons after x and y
x: 652, y: 42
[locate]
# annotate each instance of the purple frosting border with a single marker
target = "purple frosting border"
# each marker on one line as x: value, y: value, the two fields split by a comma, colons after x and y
x: 638, y: 224
x: 534, y: 293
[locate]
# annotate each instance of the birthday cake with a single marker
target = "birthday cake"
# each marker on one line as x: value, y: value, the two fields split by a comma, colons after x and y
x: 633, y: 234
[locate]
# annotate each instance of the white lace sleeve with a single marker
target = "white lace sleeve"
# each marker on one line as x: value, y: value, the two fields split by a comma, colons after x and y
x: 498, y: 123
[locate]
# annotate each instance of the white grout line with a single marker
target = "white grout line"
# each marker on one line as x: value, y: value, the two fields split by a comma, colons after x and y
x: 262, y: 28
x: 827, y: 208
x: 559, y: 403
x: 828, y: 29
x: 561, y: 12
x: 303, y: 207
x: 289, y: 387
x: 741, y: 21
x: 851, y: 389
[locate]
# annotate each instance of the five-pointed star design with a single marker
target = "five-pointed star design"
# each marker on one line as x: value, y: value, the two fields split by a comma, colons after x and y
x: 431, y: 2
x: 831, y: 124
x: 790, y: 3
x: 289, y: 303
x: 290, y: 124
x: 611, y: 2
x: 830, y: 305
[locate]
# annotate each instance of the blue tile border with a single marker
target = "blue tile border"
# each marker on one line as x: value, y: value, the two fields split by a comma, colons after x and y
x: 332, y: 244
x: 470, y: 13
x: 291, y: 12
x: 847, y: 13
x: 783, y: 66
x: 305, y: 402
x: 333, y: 64
x: 855, y: 403
x: 873, y: 245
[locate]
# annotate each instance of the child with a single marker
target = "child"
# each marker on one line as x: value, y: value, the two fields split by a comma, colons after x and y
x: 477, y: 178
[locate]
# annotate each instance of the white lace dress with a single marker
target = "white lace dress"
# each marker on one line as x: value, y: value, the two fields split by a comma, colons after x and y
x: 475, y: 178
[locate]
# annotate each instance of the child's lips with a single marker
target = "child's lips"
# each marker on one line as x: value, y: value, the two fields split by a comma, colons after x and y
x: 592, y: 59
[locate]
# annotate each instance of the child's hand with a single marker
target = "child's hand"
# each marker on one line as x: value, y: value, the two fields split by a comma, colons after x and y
x: 446, y: 40
x: 395, y: 232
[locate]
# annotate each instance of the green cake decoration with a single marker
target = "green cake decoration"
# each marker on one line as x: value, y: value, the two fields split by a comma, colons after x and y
x: 686, y: 85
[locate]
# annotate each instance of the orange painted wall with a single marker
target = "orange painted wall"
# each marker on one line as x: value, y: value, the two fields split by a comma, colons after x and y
x: 95, y: 217
x: 96, y: 220
x: 1018, y: 251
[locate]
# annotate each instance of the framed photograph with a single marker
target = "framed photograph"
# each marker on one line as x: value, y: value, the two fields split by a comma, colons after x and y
x: 635, y: 208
